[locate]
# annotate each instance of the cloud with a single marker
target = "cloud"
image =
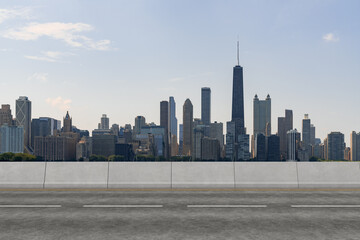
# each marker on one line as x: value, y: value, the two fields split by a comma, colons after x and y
x: 176, y: 79
x: 67, y: 32
x: 59, y: 102
x: 49, y: 56
x: 6, y: 14
x: 330, y: 37
x: 40, y: 77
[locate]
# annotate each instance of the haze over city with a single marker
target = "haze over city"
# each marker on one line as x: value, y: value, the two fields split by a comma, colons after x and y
x: 64, y: 56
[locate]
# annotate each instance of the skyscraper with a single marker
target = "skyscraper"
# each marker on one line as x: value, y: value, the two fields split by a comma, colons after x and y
x: 262, y: 116
x: 306, y: 137
x: 238, y: 100
x: 285, y: 124
x: 293, y: 139
x: 139, y: 123
x: 104, y: 122
x: 23, y: 118
x: 335, y: 146
x: 164, y: 122
x: 355, y: 146
x: 174, y: 147
x: 5, y: 115
x: 187, y: 127
x: 206, y: 105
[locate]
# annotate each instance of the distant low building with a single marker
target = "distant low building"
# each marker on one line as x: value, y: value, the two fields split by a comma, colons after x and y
x: 210, y: 149
x: 125, y: 150
x: 11, y: 139
x: 103, y: 145
x: 84, y: 148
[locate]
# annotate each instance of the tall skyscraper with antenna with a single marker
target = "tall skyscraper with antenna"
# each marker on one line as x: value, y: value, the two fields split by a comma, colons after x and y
x: 238, y: 98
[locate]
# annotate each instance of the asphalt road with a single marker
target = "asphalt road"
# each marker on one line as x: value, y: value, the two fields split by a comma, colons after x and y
x: 179, y: 215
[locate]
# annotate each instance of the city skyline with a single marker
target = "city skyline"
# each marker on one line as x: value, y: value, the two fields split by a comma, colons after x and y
x: 58, y: 76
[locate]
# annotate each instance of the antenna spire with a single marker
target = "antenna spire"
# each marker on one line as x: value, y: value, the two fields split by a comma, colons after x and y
x: 238, y: 55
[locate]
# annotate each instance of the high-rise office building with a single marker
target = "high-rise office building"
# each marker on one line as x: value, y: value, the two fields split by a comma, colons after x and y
x: 306, y: 136
x: 5, y: 115
x: 216, y: 131
x: 172, y: 117
x: 187, y: 127
x: 164, y: 111
x: 43, y: 127
x: 312, y: 135
x: 139, y: 123
x: 181, y: 139
x: 260, y: 147
x: 23, y: 118
x: 355, y: 146
x: 335, y: 146
x: 285, y: 124
x: 11, y: 139
x: 243, y: 152
x: 293, y: 144
x: 273, y: 148
x: 230, y: 141
x: 174, y: 147
x: 206, y: 105
x: 164, y: 122
x: 198, y: 135
x: 262, y: 116
x: 238, y: 99
x: 104, y: 122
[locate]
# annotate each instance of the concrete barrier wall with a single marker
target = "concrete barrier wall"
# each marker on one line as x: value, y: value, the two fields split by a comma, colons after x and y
x: 329, y: 174
x: 203, y: 175
x: 266, y: 175
x: 22, y: 174
x: 76, y: 175
x: 140, y: 175
x: 179, y: 175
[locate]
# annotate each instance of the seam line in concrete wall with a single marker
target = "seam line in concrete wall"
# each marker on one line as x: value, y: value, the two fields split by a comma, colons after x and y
x: 44, y: 174
x: 171, y: 177
x: 108, y: 173
x: 297, y: 175
x: 234, y: 174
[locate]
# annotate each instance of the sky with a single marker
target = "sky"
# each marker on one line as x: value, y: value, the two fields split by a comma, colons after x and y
x: 121, y: 58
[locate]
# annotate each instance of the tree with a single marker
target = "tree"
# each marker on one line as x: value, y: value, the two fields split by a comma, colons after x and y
x: 116, y: 158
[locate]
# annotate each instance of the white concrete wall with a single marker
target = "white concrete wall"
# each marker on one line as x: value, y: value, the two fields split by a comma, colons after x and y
x: 140, y: 175
x: 180, y: 175
x: 329, y: 174
x: 202, y: 175
x: 22, y: 174
x: 76, y: 175
x: 265, y: 175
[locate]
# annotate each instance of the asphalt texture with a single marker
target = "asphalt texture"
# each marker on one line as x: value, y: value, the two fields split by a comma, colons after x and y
x: 179, y: 215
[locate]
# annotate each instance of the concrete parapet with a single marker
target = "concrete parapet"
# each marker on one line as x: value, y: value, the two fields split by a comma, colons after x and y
x: 140, y: 175
x: 203, y: 175
x: 265, y: 175
x: 329, y: 174
x: 22, y: 174
x: 76, y: 175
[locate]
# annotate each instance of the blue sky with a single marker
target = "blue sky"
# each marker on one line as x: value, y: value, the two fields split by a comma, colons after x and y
x: 122, y: 58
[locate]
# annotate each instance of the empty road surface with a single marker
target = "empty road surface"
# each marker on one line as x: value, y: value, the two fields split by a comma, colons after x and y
x: 154, y: 214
